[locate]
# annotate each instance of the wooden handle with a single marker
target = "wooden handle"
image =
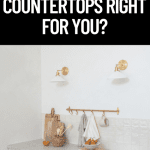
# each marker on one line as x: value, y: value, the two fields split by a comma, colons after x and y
x: 66, y: 129
x: 52, y: 112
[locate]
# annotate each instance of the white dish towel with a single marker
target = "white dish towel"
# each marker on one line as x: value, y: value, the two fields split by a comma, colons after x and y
x: 91, y: 131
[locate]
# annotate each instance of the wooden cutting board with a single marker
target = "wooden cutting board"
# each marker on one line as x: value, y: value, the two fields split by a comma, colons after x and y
x: 52, y: 122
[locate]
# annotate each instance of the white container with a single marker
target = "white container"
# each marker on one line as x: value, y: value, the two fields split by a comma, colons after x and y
x: 90, y: 147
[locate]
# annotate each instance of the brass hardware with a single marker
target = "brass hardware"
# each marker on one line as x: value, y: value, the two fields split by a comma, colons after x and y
x: 117, y: 111
x: 57, y: 73
x: 69, y: 109
x: 76, y: 112
x: 122, y: 64
x: 71, y: 112
x: 64, y: 71
x: 116, y: 68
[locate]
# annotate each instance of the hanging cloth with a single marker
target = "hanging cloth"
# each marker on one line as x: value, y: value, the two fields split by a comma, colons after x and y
x: 81, y: 129
x: 92, y: 131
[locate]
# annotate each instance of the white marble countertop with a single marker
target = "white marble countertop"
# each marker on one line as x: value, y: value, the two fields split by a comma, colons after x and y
x: 38, y: 145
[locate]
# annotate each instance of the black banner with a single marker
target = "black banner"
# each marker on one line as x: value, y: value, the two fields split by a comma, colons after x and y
x: 61, y: 22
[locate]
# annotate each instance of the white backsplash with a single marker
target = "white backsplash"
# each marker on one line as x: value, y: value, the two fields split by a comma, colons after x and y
x: 121, y: 134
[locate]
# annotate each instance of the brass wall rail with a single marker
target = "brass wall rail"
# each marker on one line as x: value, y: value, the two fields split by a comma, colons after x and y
x: 71, y: 110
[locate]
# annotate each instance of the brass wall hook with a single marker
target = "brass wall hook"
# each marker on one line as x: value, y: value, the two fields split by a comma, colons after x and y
x: 71, y: 112
x: 103, y: 115
x: 76, y: 112
x: 84, y: 111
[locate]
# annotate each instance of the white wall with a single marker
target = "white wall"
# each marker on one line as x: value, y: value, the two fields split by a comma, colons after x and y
x: 20, y: 94
x: 88, y: 87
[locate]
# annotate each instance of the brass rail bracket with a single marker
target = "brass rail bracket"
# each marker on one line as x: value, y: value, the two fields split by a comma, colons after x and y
x: 117, y: 111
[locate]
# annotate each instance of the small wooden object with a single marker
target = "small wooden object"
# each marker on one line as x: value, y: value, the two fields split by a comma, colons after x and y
x: 52, y: 123
x: 69, y: 126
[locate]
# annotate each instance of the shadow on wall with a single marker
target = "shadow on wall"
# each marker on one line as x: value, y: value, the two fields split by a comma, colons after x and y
x: 60, y: 84
x: 114, y: 82
x: 120, y: 81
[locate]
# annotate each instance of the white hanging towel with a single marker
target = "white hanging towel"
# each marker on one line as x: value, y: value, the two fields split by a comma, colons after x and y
x: 91, y: 131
